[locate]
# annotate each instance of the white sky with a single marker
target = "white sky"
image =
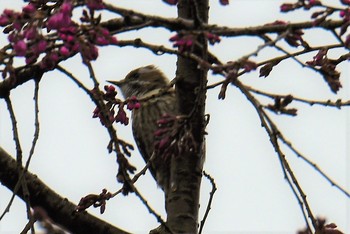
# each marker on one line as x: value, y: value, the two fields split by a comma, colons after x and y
x: 252, y: 196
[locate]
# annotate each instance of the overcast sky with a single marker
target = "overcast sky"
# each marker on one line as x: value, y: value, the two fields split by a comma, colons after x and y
x: 252, y: 196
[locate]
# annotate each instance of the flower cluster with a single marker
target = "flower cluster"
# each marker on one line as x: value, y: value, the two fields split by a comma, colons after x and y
x: 231, y: 70
x: 345, y: 15
x: 294, y: 37
x: 183, y: 41
x: 111, y: 103
x: 327, y: 67
x: 62, y: 18
x: 280, y: 106
x: 94, y: 200
x: 95, y: 4
x: 267, y: 68
x: 166, y: 132
x: 285, y: 7
x: 224, y: 2
x: 133, y: 103
x: 322, y: 15
x: 212, y: 38
x: 64, y: 37
x: 20, y: 34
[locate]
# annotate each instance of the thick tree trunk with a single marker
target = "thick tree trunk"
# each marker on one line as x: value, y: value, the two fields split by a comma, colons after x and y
x: 186, y: 169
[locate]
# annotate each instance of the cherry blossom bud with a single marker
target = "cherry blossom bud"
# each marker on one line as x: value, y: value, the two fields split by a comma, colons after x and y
x: 20, y: 48
x: 29, y: 9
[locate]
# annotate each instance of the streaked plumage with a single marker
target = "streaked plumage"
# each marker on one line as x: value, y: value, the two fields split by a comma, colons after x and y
x: 144, y: 82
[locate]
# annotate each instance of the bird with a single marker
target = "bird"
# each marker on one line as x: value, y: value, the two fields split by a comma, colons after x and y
x: 146, y: 84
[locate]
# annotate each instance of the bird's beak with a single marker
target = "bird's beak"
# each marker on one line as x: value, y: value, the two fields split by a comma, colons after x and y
x: 117, y: 83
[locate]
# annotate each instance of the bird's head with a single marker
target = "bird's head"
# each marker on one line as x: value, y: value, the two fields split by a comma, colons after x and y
x: 142, y: 82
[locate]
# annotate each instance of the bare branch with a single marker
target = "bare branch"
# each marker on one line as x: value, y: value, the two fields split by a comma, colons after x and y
x: 59, y: 209
x: 212, y: 192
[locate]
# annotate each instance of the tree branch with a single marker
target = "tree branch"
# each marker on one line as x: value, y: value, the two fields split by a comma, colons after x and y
x: 59, y: 209
x: 134, y: 18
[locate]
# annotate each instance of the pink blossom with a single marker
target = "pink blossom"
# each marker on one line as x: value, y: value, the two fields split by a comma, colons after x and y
x: 31, y: 59
x: 66, y: 8
x: 20, y: 48
x: 95, y: 4
x: 121, y: 117
x: 249, y: 66
x: 96, y: 113
x: 40, y: 47
x: 183, y: 42
x: 50, y: 60
x: 29, y: 9
x: 345, y: 13
x: 70, y: 38
x: 61, y: 19
x: 110, y: 92
x: 91, y: 53
x: 213, y: 38
x: 9, y: 13
x: 224, y: 2
x: 109, y: 88
x: 75, y: 47
x: 104, y: 32
x: 171, y: 2
x: 64, y: 51
x: 101, y: 40
x: 163, y: 143
x: 17, y: 25
x: 58, y: 21
x: 4, y: 20
x: 287, y: 7
x: 12, y: 37
x: 113, y: 40
x: 133, y: 103
x: 30, y: 33
x: 313, y: 2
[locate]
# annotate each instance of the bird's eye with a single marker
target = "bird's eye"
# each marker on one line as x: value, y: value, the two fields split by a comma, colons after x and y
x: 134, y: 75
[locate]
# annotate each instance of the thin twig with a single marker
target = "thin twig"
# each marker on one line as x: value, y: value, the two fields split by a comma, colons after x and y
x: 137, y: 175
x: 338, y: 103
x: 312, y: 164
x: 36, y: 124
x: 279, y: 59
x: 273, y: 133
x: 212, y: 192
x: 18, y: 152
x: 14, y: 130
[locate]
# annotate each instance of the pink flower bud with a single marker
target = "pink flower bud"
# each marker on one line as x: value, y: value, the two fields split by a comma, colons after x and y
x: 171, y: 2
x: 20, y: 48
x: 137, y: 105
x: 64, y: 51
x: 4, y: 20
x: 29, y: 9
x: 224, y: 2
x: 40, y: 47
x: 96, y: 112
x: 163, y: 143
x: 121, y: 116
x: 30, y: 33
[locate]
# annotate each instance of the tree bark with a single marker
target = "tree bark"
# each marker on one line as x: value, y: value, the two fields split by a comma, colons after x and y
x: 186, y: 168
x: 59, y: 209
